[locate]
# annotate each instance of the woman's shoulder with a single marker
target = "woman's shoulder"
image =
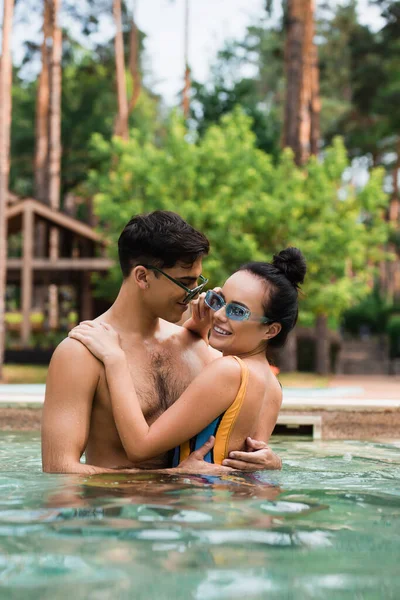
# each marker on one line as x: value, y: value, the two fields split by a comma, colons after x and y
x: 226, y: 368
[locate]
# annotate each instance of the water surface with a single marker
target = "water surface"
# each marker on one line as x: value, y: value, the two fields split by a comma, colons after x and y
x: 327, y: 526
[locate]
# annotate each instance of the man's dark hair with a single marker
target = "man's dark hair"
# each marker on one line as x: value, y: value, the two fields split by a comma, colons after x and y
x: 160, y: 239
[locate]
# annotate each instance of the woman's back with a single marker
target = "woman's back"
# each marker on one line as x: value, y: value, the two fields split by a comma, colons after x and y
x: 253, y: 412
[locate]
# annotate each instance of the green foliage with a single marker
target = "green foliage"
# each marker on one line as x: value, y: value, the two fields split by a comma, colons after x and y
x: 22, y: 136
x: 248, y: 205
x: 373, y: 311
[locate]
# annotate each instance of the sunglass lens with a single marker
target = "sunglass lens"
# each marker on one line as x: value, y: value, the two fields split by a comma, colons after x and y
x: 214, y: 301
x: 236, y: 312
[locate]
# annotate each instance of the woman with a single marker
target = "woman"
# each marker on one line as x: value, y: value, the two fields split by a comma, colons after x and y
x: 256, y: 308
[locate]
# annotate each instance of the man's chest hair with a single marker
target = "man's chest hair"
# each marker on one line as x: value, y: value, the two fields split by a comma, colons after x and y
x: 160, y: 377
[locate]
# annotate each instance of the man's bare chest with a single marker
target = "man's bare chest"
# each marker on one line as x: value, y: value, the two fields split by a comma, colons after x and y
x: 160, y: 376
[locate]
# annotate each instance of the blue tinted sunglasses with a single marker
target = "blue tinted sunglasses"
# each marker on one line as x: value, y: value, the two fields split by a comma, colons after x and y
x: 234, y: 311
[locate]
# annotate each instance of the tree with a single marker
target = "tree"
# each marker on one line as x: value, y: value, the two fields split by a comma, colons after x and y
x: 134, y: 64
x: 186, y: 87
x: 54, y: 158
x: 121, y: 123
x: 301, y: 130
x: 301, y: 121
x: 42, y: 111
x: 5, y: 126
x: 54, y: 147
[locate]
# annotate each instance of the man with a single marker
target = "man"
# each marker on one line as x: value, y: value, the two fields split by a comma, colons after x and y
x: 161, y: 262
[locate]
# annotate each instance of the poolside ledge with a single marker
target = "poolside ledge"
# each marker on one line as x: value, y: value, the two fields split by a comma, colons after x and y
x: 340, y: 412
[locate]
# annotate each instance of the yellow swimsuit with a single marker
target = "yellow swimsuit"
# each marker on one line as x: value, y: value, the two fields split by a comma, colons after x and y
x: 221, y: 428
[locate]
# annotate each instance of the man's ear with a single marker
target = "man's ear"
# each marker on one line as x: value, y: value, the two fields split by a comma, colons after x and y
x: 140, y: 276
x: 272, y: 330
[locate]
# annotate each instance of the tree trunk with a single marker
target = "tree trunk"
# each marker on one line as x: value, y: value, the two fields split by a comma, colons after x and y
x: 55, y: 110
x: 187, y: 84
x: 302, y: 105
x: 54, y: 162
x: 315, y: 102
x: 288, y: 354
x: 394, y: 209
x: 322, y: 345
x: 42, y: 111
x: 301, y: 130
x: 134, y: 65
x: 394, y: 217
x: 121, y: 123
x: 5, y: 127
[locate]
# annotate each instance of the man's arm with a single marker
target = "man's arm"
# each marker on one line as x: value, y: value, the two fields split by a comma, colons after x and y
x: 70, y: 388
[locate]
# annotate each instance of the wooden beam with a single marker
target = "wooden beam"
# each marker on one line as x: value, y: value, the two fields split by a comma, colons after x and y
x: 55, y: 217
x: 26, y: 277
x: 5, y: 126
x: 63, y: 264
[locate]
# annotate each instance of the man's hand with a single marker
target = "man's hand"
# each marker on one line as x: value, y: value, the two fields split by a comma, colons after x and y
x: 258, y: 457
x: 195, y: 462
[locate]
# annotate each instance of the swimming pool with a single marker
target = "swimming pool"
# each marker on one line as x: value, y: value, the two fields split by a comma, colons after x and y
x: 327, y: 526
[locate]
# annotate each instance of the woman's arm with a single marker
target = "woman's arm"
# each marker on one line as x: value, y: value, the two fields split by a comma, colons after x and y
x: 209, y: 395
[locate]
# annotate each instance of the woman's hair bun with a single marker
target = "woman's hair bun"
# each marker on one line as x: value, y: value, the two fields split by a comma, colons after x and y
x: 292, y: 264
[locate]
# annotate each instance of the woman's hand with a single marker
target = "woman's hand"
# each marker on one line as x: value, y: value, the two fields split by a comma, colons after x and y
x: 195, y: 462
x: 99, y: 338
x: 201, y: 313
x: 201, y: 319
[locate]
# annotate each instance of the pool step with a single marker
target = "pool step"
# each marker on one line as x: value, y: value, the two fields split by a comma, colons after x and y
x: 299, y: 425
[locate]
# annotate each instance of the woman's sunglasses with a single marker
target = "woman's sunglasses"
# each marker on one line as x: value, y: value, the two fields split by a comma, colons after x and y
x: 190, y: 294
x: 233, y: 311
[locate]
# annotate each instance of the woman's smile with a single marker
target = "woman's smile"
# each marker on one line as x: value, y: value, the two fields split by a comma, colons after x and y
x: 220, y: 331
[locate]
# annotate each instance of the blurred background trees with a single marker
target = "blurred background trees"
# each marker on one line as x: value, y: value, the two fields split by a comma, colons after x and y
x: 295, y: 82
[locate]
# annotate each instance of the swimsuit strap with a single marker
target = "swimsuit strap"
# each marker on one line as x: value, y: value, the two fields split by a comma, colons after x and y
x: 230, y: 416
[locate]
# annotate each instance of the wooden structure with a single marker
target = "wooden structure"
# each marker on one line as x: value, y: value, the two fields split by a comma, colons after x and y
x: 81, y: 251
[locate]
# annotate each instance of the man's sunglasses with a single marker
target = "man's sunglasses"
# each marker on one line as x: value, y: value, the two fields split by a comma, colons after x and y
x: 190, y: 294
x: 233, y: 311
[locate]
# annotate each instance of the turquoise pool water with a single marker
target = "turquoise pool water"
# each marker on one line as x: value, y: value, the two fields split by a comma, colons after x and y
x: 327, y: 526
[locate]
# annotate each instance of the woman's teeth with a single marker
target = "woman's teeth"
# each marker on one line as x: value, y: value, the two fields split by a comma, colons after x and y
x: 221, y: 331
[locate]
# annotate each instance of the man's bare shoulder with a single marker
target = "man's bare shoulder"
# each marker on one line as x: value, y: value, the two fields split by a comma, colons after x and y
x: 72, y: 354
x: 72, y: 378
x: 171, y: 331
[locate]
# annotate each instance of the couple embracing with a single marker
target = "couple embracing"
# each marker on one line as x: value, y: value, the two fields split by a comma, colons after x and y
x: 134, y: 390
